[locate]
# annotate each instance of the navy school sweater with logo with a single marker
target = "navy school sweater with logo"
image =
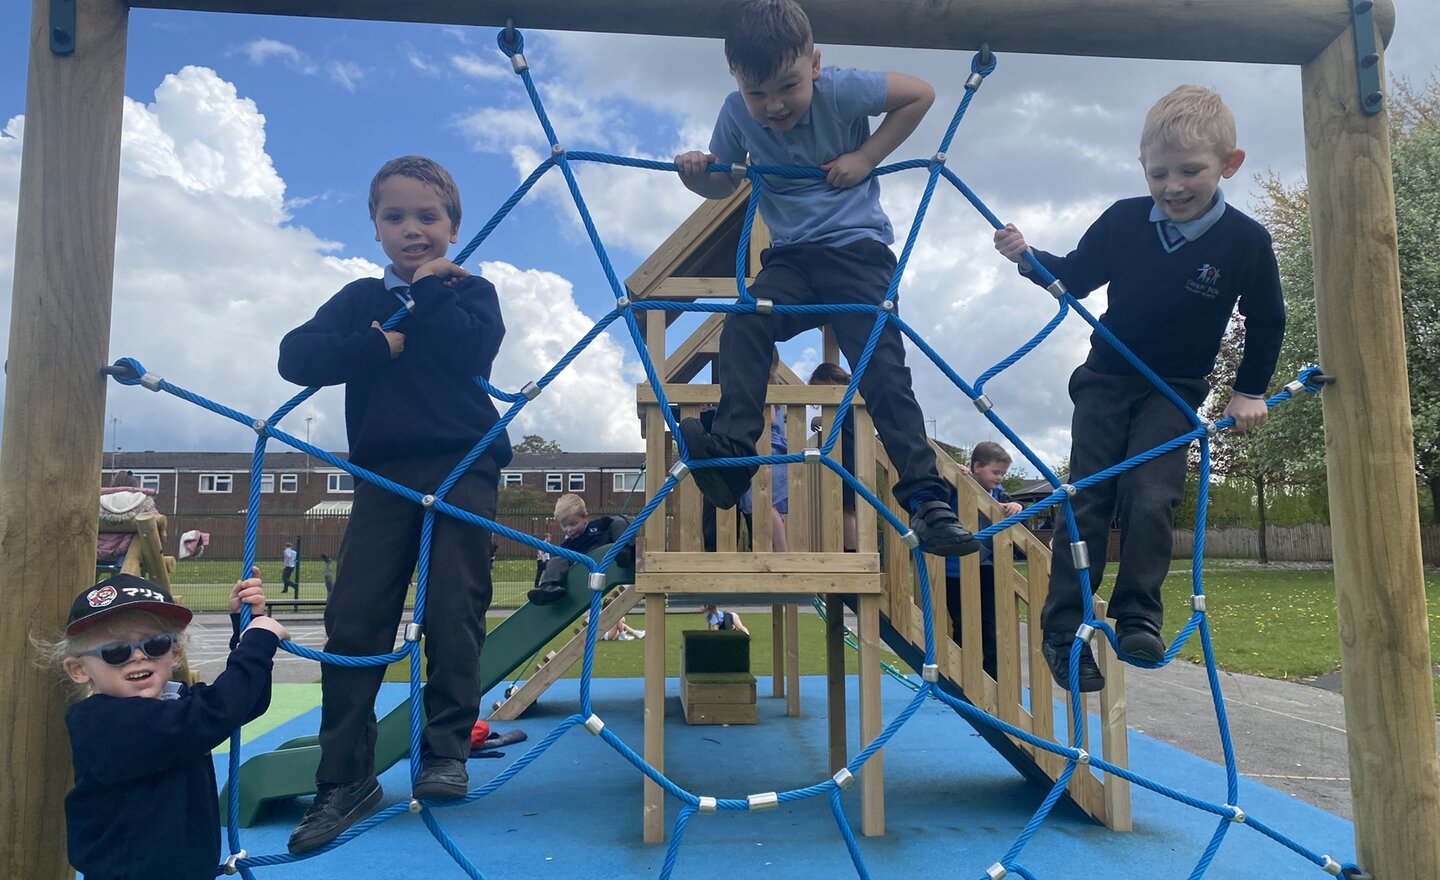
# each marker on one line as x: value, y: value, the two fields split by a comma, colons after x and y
x: 426, y: 401
x: 144, y: 804
x: 1172, y: 309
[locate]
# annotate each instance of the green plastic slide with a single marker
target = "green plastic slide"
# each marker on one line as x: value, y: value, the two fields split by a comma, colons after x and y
x: 289, y: 771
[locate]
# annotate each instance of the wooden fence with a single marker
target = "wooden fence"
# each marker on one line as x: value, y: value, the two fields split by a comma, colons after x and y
x: 1303, y: 543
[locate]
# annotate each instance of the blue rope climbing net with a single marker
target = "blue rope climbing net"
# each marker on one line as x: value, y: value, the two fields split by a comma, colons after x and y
x: 129, y: 371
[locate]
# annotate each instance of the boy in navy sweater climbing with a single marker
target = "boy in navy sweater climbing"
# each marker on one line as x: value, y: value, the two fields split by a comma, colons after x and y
x: 1178, y: 263
x: 830, y: 244
x: 582, y: 534
x: 412, y: 411
x: 140, y: 742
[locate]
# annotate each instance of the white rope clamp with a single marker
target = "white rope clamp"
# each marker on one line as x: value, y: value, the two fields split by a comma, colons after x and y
x: 739, y: 171
x: 1080, y: 555
x: 679, y: 470
x: 151, y: 381
x: 812, y: 455
x: 231, y: 866
x: 764, y: 306
x: 930, y: 672
x: 531, y: 390
x: 597, y: 581
x: 983, y: 403
x: 973, y: 81
x: 622, y: 302
x: 1236, y: 814
x: 594, y: 724
x: 427, y: 502
x: 413, y: 632
x: 767, y: 801
x: 708, y: 805
x: 1084, y: 632
x: 1057, y: 289
x: 937, y: 159
x: 1081, y: 756
x: 258, y: 426
x: 843, y: 778
x: 1068, y: 489
x: 911, y: 539
x: 414, y: 806
x: 557, y: 150
x: 997, y: 872
x: 518, y: 62
x: 1294, y: 386
x: 1330, y: 867
x: 1197, y: 602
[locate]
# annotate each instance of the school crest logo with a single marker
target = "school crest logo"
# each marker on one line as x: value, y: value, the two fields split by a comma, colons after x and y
x: 1206, y: 282
x: 101, y: 597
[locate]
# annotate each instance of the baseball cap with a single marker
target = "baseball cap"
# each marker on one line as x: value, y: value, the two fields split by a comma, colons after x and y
x: 123, y: 592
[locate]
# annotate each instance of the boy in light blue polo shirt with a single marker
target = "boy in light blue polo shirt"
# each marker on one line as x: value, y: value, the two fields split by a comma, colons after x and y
x: 830, y: 244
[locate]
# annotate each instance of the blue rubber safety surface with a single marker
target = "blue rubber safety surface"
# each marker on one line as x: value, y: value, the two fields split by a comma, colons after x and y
x: 952, y: 805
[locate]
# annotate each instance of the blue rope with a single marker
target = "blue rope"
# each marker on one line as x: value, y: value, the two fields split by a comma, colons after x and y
x: 128, y: 371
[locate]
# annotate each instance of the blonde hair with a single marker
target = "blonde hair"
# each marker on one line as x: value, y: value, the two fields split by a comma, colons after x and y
x: 570, y: 504
x: 1190, y: 117
x: 52, y: 653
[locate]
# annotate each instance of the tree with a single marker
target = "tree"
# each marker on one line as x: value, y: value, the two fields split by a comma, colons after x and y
x: 1294, y: 433
x: 536, y: 443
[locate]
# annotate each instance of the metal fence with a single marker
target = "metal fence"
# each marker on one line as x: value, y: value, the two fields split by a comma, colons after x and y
x: 204, y: 582
x: 1304, y: 543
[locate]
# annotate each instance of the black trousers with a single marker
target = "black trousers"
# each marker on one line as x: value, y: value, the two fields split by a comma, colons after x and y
x: 805, y: 274
x: 987, y: 616
x: 377, y: 558
x: 1117, y: 418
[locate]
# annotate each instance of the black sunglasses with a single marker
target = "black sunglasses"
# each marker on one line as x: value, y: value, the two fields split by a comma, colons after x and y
x: 119, y: 653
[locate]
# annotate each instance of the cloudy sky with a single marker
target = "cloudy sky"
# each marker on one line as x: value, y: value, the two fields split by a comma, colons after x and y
x: 249, y: 142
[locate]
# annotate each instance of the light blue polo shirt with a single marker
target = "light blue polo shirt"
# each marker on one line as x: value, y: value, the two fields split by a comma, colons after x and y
x: 812, y: 211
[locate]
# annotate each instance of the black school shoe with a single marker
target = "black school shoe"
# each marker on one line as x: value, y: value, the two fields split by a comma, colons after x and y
x: 1140, y: 639
x: 1056, y: 650
x: 337, y: 806
x: 546, y: 594
x: 441, y: 778
x: 939, y: 530
x: 722, y: 487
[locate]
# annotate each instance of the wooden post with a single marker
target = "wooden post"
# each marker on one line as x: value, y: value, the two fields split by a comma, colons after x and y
x: 1369, y: 451
x: 653, y: 814
x: 54, y: 407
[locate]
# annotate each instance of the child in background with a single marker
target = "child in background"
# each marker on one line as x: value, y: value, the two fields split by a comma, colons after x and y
x: 989, y: 462
x: 582, y: 534
x: 144, y: 802
x: 287, y: 572
x: 1178, y: 263
x: 831, y: 243
x: 722, y: 620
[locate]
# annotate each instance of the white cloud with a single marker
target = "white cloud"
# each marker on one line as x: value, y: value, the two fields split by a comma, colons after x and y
x: 474, y: 66
x: 209, y: 276
x: 347, y: 73
x: 262, y: 50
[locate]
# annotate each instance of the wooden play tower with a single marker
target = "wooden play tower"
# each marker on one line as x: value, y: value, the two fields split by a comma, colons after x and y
x: 697, y: 262
x: 61, y: 306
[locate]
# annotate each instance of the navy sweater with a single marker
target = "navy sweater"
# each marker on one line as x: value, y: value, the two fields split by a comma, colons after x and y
x: 424, y: 402
x: 1172, y: 309
x: 144, y: 805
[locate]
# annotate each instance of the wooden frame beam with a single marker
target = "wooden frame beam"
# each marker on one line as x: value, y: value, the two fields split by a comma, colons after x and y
x: 1277, y: 31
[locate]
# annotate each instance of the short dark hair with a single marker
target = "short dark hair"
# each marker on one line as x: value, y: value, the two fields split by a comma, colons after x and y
x: 827, y: 373
x: 765, y: 36
x: 426, y: 171
x: 987, y: 452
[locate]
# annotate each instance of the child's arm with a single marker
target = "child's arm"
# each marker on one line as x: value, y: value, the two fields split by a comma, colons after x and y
x: 693, y: 173
x: 907, y: 100
x: 1264, y: 311
x: 1082, y: 270
x: 119, y: 740
x: 335, y: 346
x: 457, y: 317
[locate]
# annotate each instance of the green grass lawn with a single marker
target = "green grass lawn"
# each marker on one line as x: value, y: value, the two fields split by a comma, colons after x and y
x: 627, y: 659
x: 1275, y: 623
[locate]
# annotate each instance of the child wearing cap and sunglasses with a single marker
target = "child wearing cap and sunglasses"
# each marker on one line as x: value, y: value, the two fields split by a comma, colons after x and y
x: 141, y: 741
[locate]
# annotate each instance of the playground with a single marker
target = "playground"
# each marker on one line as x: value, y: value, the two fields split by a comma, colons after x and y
x: 938, y: 766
